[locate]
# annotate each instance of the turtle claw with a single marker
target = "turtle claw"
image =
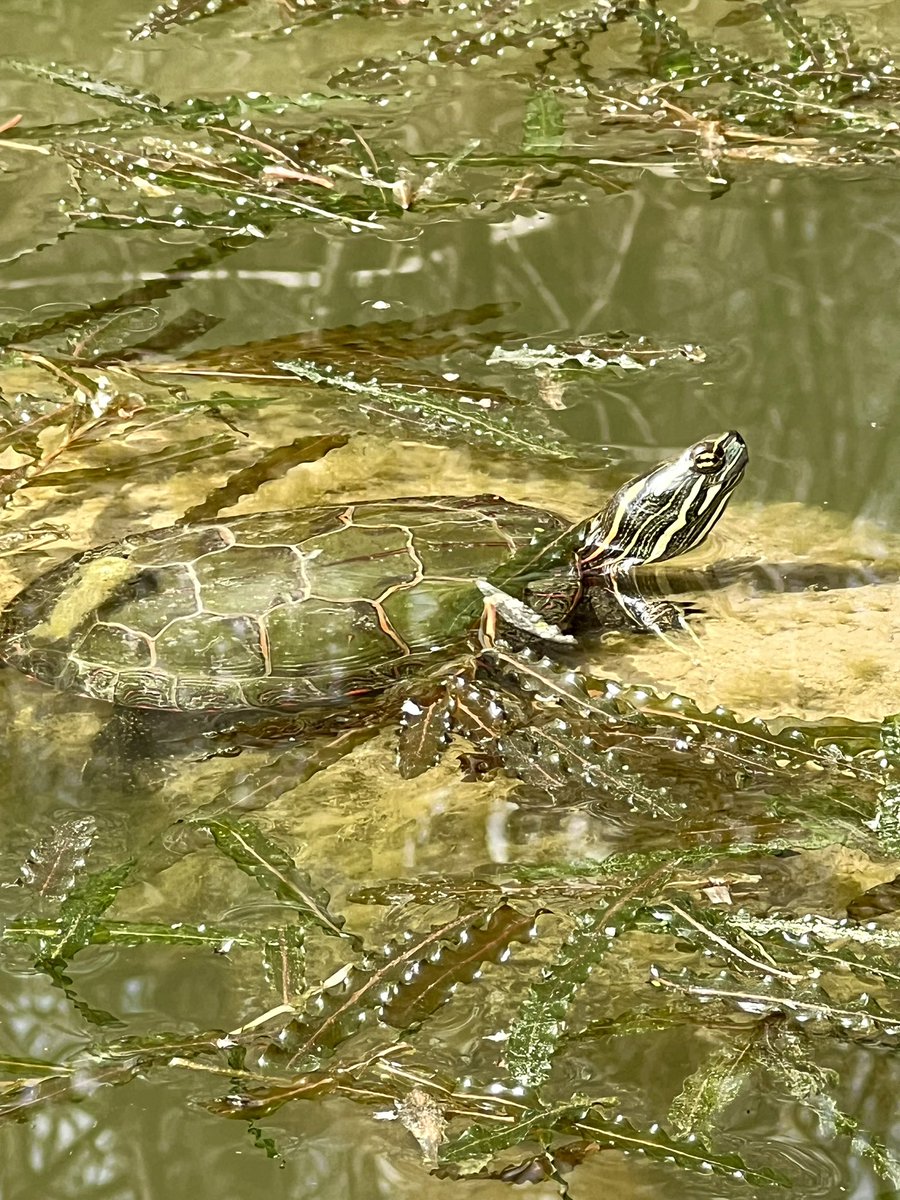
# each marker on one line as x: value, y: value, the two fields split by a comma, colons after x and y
x: 657, y: 616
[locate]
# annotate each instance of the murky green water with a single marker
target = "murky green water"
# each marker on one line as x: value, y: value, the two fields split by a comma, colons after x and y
x: 787, y: 280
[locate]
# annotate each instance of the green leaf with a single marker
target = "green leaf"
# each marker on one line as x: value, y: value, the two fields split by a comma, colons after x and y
x: 272, y: 867
x: 81, y: 913
x: 885, y: 822
x: 812, y: 1086
x: 385, y: 984
x: 709, y: 1090
x: 273, y: 464
x: 544, y: 127
x: 438, y: 977
x: 90, y: 85
x: 454, y: 419
x: 845, y: 750
x: 689, y: 1154
x: 596, y: 352
x: 542, y: 1018
x: 284, y: 960
x: 136, y: 933
x: 481, y: 1143
x: 180, y: 12
x: 56, y: 861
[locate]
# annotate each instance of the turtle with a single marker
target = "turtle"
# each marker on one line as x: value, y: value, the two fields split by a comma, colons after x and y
x: 304, y: 610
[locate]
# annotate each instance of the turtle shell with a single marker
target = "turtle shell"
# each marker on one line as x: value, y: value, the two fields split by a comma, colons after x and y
x: 275, y: 611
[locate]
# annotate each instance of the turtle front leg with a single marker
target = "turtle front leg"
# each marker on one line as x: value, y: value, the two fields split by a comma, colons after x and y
x: 516, y: 613
x: 650, y: 613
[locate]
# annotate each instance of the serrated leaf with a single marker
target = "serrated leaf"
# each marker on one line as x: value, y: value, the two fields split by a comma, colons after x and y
x: 172, y: 13
x: 885, y: 822
x: 137, y: 933
x: 860, y: 1019
x: 847, y: 749
x: 544, y: 126
x: 436, y: 978
x: 543, y: 1014
x: 452, y: 418
x: 272, y: 867
x: 597, y: 352
x: 359, y: 992
x: 540, y: 677
x: 425, y: 732
x: 54, y: 864
x: 480, y: 1143
x: 90, y: 85
x: 709, y: 1090
x: 691, y: 1155
x: 257, y: 1102
x: 273, y: 464
x: 81, y: 912
x: 813, y: 1087
x: 284, y: 960
x: 520, y: 29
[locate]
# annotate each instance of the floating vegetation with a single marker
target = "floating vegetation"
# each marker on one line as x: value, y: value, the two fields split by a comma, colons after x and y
x: 779, y: 985
x: 180, y: 12
x: 596, y: 352
x: 430, y: 414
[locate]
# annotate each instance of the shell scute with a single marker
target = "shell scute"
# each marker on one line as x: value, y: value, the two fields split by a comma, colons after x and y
x: 115, y: 644
x: 143, y: 689
x: 282, y: 694
x: 152, y: 598
x: 212, y: 646
x: 201, y: 695
x: 307, y: 638
x: 97, y: 682
x: 357, y: 561
x: 239, y: 582
x: 178, y: 545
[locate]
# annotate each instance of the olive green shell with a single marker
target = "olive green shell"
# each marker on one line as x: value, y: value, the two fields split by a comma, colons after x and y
x: 276, y: 611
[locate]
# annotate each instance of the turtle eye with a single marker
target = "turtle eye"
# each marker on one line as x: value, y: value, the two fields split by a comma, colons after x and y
x: 708, y: 457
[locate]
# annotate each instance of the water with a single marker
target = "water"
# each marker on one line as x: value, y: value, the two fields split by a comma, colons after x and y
x: 788, y: 282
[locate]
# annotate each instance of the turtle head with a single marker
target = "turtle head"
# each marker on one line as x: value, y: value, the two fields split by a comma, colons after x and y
x: 668, y: 511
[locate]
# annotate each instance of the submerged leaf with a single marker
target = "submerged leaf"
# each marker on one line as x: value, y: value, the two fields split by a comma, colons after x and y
x: 436, y: 978
x: 180, y: 12
x: 480, y: 1143
x: 90, y: 85
x: 220, y: 938
x: 284, y: 959
x: 272, y: 465
x: 56, y: 861
x: 401, y: 983
x: 257, y: 1102
x: 431, y: 414
x: 709, y: 1090
x: 786, y: 1059
x: 81, y: 912
x: 594, y: 352
x: 544, y: 127
x: 272, y: 867
x: 543, y: 1015
x: 688, y: 1153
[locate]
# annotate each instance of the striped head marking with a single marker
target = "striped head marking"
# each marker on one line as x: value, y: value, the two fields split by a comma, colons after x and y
x: 668, y: 511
